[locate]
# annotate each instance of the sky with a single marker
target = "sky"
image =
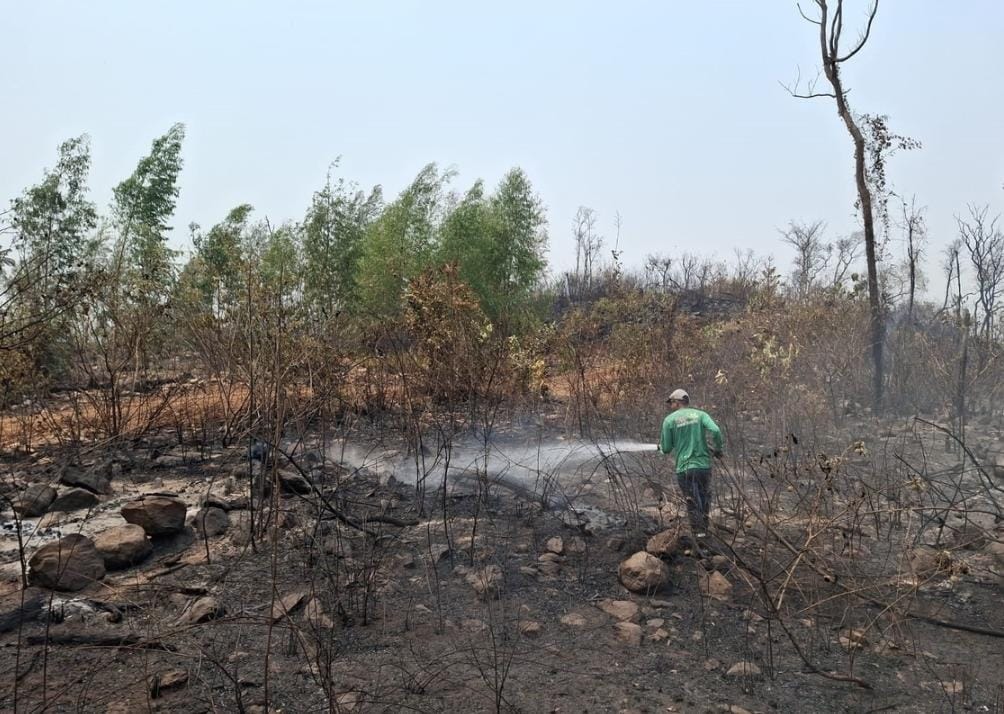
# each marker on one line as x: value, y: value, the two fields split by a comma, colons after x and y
x: 671, y: 113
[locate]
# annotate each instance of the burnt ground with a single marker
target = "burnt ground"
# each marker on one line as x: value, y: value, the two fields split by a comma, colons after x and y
x: 384, y: 614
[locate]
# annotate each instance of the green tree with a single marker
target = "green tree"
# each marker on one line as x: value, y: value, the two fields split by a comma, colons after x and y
x: 143, y: 205
x: 516, y: 254
x: 215, y: 270
x: 52, y: 223
x: 333, y: 232
x: 400, y: 243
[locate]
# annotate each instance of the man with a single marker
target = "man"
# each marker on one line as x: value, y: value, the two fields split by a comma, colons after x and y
x: 684, y: 431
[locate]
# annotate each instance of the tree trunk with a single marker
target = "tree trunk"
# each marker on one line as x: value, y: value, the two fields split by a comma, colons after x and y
x: 877, y: 326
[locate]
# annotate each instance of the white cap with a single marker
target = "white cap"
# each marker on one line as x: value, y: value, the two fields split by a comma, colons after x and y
x: 678, y: 395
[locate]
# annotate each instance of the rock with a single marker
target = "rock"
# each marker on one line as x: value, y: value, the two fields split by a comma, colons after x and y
x: 167, y: 681
x: 201, y: 610
x: 486, y: 581
x: 660, y: 635
x: 643, y: 573
x: 655, y: 622
x: 211, y: 521
x: 74, y: 499
x: 91, y: 480
x: 34, y: 500
x: 744, y: 669
x: 288, y: 604
x: 623, y: 610
x: 996, y: 549
x: 314, y: 612
x: 853, y: 639
x: 530, y: 628
x: 665, y: 544
x: 629, y: 633
x: 573, y: 619
x: 575, y: 546
x: 293, y: 482
x: 122, y: 546
x: 926, y: 562
x: 555, y: 545
x: 71, y: 563
x: 715, y: 585
x: 969, y: 537
x: 157, y: 514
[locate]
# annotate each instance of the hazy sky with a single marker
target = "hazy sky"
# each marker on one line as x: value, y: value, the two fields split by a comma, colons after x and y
x: 669, y: 112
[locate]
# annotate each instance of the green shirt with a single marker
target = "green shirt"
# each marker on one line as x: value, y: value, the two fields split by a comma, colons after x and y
x: 683, y: 431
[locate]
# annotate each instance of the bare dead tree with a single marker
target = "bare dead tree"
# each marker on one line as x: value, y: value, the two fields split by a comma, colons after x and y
x: 845, y: 252
x: 587, y: 246
x: 915, y: 229
x: 658, y: 269
x: 952, y: 267
x: 985, y: 244
x: 812, y: 254
x: 830, y: 24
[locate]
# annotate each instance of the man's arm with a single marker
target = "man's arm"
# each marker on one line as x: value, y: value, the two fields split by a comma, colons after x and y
x: 716, y: 433
x: 666, y: 441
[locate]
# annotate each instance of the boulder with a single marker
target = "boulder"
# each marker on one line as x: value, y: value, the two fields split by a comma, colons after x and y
x: 643, y: 573
x: 211, y: 521
x: 90, y: 479
x: 156, y: 514
x: 71, y: 563
x: 665, y: 544
x: 74, y: 499
x: 122, y: 546
x: 623, y: 610
x: 34, y: 500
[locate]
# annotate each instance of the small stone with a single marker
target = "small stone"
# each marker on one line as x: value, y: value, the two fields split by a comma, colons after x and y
x: 486, y: 581
x: 573, y: 619
x: 555, y: 545
x: 575, y: 546
x: 629, y: 633
x: 201, y: 610
x: 167, y: 681
x: 659, y: 635
x: 530, y: 628
x: 853, y: 639
x: 715, y: 585
x: 710, y: 665
x: 623, y: 610
x: 655, y: 622
x: 744, y: 669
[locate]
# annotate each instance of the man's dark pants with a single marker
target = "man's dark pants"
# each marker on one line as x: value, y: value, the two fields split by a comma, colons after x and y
x: 696, y: 487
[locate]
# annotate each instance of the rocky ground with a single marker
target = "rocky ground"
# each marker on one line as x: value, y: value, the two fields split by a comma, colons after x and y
x: 160, y: 580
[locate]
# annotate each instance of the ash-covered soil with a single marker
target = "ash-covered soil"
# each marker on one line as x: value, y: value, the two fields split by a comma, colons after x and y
x: 356, y: 595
